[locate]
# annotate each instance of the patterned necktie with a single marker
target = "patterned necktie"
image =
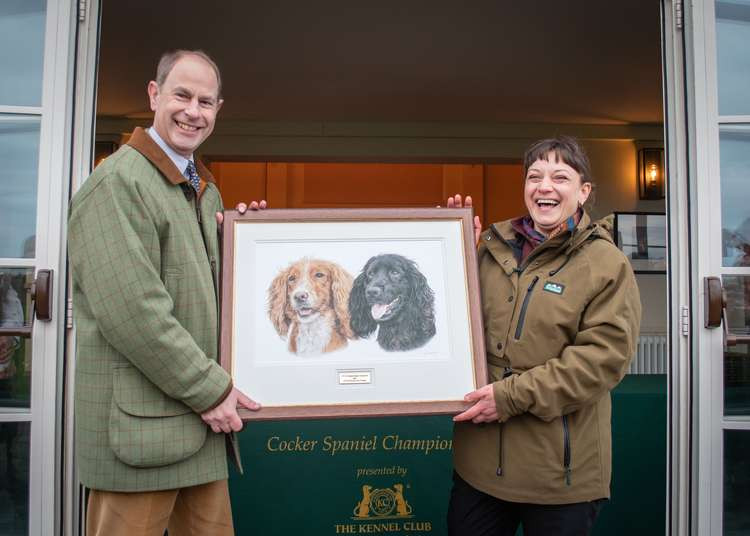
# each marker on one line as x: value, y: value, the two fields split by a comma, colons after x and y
x: 192, y: 176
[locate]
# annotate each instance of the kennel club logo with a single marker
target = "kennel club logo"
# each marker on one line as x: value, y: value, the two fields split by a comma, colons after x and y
x: 383, y: 510
x: 383, y: 503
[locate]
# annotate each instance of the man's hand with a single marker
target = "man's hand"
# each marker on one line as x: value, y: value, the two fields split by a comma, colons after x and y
x: 455, y: 202
x: 484, y: 410
x: 242, y: 208
x: 224, y: 417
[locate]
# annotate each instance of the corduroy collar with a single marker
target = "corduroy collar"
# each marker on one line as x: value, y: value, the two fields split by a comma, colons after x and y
x: 144, y: 144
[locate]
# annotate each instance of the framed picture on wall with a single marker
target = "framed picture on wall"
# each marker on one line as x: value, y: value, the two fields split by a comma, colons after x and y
x: 642, y: 237
x: 351, y: 312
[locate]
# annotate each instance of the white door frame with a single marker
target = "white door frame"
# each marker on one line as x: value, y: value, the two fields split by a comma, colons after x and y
x: 704, y: 206
x: 679, y: 277
x: 83, y: 124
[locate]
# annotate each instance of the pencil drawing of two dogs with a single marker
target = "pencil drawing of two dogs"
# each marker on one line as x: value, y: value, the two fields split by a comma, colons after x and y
x: 317, y: 306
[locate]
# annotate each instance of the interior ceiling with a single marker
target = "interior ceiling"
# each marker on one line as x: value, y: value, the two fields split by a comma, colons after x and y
x: 536, y: 61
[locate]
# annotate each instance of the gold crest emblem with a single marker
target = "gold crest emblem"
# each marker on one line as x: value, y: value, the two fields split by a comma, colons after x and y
x: 384, y: 503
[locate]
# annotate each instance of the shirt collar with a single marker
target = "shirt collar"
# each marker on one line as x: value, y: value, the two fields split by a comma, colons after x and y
x: 179, y: 161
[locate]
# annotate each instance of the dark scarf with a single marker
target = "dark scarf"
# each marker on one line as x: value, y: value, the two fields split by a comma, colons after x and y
x: 528, y: 238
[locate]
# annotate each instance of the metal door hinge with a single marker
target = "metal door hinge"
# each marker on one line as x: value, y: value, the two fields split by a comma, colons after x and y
x: 81, y: 10
x: 684, y: 320
x: 69, y: 314
x: 678, y: 16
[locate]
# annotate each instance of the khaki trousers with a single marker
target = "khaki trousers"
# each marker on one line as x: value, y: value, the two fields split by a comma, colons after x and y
x: 202, y: 510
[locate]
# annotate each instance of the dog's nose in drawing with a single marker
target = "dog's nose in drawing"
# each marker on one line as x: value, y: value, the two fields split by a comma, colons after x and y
x: 373, y: 292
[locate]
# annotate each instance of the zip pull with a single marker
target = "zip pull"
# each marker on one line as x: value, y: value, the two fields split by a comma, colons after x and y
x: 533, y: 283
x: 499, y: 470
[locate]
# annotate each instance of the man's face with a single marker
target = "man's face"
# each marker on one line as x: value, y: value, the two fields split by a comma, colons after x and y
x: 185, y: 106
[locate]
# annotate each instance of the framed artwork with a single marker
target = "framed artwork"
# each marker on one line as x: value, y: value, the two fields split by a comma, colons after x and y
x: 351, y: 312
x: 642, y: 237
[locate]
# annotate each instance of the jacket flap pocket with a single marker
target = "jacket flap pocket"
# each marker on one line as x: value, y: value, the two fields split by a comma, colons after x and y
x: 135, y: 395
x: 150, y: 441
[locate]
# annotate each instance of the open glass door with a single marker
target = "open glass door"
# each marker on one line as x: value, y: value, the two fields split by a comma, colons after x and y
x: 719, y: 59
x: 36, y: 61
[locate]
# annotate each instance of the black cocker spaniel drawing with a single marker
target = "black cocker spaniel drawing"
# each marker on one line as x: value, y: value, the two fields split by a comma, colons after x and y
x: 392, y: 294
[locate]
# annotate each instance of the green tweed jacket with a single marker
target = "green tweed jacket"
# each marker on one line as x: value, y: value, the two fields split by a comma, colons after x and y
x: 144, y: 254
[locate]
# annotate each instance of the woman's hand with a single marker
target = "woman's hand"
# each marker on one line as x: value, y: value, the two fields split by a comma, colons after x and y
x: 242, y: 208
x: 484, y: 409
x: 455, y: 202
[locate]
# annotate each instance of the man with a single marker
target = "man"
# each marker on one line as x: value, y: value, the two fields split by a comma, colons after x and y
x: 152, y: 403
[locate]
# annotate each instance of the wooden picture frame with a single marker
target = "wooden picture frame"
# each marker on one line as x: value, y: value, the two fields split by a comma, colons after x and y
x: 308, y: 334
x: 642, y: 237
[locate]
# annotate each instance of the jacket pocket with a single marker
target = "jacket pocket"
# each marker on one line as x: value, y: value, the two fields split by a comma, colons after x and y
x: 524, y: 306
x: 147, y: 428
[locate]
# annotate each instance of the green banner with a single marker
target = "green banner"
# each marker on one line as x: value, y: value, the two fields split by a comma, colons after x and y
x: 393, y: 476
x: 353, y: 476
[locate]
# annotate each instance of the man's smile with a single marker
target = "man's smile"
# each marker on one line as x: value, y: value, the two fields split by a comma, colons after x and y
x: 186, y: 127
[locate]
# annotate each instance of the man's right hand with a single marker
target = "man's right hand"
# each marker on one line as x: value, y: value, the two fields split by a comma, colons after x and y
x: 456, y: 202
x: 224, y: 417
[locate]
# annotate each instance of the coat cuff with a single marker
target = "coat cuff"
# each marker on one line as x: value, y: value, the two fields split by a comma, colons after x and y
x: 503, y: 403
x: 221, y: 399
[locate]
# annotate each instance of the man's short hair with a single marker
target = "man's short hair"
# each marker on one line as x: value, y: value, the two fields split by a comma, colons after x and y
x: 170, y: 58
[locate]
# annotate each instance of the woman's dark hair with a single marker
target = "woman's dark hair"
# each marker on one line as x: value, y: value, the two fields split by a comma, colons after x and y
x: 566, y: 149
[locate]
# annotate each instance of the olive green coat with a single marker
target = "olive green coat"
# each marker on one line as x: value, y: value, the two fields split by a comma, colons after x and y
x: 146, y: 313
x: 562, y: 328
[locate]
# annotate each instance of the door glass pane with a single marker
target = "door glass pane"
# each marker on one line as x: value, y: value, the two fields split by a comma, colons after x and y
x: 15, y: 352
x: 19, y: 154
x: 734, y: 143
x: 737, y: 358
x: 736, y: 482
x: 14, y: 478
x: 21, y: 52
x: 732, y: 38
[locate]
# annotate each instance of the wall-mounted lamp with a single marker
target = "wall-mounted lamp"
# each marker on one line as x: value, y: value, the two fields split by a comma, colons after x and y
x: 651, y: 173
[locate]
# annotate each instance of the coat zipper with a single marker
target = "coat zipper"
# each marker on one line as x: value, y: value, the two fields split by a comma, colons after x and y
x: 566, y: 450
x: 499, y: 472
x: 524, y: 305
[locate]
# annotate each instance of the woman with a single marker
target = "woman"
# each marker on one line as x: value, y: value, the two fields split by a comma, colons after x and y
x: 561, y: 316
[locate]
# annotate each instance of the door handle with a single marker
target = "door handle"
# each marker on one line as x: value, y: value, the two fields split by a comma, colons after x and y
x: 41, y: 305
x: 715, y: 311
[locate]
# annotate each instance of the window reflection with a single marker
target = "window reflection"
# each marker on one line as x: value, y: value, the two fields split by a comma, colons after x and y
x: 15, y: 352
x: 733, y: 56
x: 736, y: 481
x: 14, y: 478
x: 734, y: 144
x: 737, y: 358
x: 19, y: 153
x: 21, y: 52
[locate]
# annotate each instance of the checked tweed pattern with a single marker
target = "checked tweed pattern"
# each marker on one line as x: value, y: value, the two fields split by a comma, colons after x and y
x: 146, y: 312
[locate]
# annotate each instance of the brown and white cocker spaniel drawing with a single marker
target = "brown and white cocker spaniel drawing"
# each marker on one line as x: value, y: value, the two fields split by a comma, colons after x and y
x: 308, y: 306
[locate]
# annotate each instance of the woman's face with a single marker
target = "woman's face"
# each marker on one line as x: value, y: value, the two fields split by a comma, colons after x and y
x: 553, y: 192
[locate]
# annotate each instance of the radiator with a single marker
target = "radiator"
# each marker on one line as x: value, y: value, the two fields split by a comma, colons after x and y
x: 650, y: 354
